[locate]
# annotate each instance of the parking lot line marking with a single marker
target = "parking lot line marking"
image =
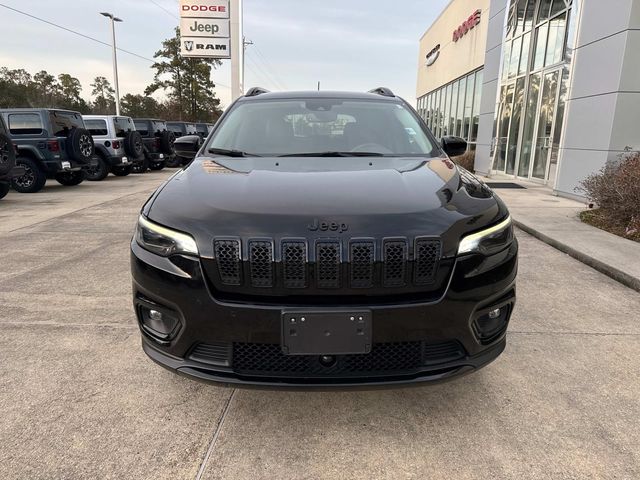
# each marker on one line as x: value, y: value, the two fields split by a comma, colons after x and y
x: 212, y: 445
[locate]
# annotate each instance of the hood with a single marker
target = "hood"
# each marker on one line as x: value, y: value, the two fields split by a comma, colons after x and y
x: 320, y: 197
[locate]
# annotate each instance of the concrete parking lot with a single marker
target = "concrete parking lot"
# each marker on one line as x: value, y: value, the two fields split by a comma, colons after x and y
x: 79, y: 399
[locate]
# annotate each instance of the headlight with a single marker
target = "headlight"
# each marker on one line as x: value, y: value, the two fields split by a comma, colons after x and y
x: 488, y: 241
x: 164, y: 241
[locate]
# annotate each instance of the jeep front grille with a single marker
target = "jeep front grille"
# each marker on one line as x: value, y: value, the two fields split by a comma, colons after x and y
x: 294, y: 263
x: 261, y: 263
x: 395, y: 263
x: 328, y: 264
x: 358, y: 264
x: 228, y: 257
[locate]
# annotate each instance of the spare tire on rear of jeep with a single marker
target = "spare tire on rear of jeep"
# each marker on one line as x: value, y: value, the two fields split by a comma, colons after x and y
x: 7, y: 154
x: 80, y: 145
x: 133, y: 145
x: 167, y: 139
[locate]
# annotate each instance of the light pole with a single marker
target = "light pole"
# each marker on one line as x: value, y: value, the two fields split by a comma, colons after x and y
x: 114, y: 19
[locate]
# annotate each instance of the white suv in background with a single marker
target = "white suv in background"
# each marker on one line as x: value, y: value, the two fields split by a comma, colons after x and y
x: 117, y: 145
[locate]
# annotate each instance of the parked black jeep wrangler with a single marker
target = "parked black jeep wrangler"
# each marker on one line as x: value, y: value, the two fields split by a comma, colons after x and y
x: 158, y: 144
x: 8, y: 168
x: 51, y: 143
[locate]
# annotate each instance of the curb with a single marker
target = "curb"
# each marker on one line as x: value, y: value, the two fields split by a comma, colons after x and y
x: 611, y: 272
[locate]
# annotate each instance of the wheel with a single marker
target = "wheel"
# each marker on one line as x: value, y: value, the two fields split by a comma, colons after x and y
x: 80, y: 145
x: 7, y: 154
x: 4, y: 189
x: 140, y: 167
x: 99, y: 172
x: 133, y: 144
x: 70, y: 179
x: 33, y: 179
x: 156, y: 166
x: 167, y: 139
x: 121, y: 171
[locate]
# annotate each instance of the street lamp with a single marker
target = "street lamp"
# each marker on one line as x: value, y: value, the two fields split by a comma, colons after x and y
x: 114, y: 19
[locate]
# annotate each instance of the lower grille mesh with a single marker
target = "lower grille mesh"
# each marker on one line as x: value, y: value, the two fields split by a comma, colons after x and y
x: 385, y: 358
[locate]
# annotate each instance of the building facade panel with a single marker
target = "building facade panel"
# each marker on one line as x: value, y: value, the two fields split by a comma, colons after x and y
x: 561, y: 88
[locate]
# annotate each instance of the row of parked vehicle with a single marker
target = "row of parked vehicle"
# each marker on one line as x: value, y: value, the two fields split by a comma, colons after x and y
x: 37, y: 144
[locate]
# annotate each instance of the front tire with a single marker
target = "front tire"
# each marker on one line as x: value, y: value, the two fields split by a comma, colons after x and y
x: 4, y: 189
x: 33, y: 179
x: 70, y: 179
x: 99, y: 172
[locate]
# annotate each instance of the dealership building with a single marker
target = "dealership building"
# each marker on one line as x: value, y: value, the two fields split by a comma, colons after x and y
x: 543, y: 90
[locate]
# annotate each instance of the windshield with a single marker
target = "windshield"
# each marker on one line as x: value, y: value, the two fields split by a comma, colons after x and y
x: 321, y: 125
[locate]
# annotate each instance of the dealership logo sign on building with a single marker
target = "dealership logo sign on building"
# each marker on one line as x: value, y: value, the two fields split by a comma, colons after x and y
x: 433, y: 55
x: 204, y: 28
x: 467, y: 25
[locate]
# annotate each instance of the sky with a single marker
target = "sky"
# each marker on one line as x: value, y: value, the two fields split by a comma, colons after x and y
x: 343, y: 44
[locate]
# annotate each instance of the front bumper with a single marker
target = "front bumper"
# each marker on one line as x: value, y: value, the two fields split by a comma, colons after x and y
x: 423, y: 342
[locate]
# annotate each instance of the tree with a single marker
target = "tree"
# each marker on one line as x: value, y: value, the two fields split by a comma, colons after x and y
x: 47, y: 89
x: 187, y: 82
x: 139, y: 106
x: 70, y: 88
x: 104, y: 101
x: 15, y: 87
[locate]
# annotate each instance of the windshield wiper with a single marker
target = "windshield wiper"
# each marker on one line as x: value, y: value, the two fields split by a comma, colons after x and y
x: 231, y: 153
x: 334, y: 154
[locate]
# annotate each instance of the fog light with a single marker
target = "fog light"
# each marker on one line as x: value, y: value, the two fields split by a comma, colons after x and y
x: 162, y: 325
x: 492, y: 324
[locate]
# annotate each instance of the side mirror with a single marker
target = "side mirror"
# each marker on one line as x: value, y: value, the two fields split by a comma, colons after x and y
x: 453, y: 146
x: 188, y: 146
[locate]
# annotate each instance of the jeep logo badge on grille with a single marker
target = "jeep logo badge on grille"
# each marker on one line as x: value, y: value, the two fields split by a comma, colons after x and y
x: 325, y: 226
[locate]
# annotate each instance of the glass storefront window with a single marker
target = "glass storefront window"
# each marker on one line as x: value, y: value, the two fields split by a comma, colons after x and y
x: 514, y: 131
x: 468, y: 105
x: 460, y: 112
x: 516, y: 45
x: 543, y: 11
x: 524, y: 58
x: 506, y: 59
x: 454, y: 108
x: 475, y: 117
x: 541, y: 44
x: 555, y: 42
x: 529, y: 125
x: 528, y: 18
x: 446, y: 109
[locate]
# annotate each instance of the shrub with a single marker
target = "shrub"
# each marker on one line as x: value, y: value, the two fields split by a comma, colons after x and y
x: 615, y: 189
x: 466, y: 160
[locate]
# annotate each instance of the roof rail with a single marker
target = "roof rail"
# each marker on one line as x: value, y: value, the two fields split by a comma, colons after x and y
x: 384, y: 91
x: 255, y: 91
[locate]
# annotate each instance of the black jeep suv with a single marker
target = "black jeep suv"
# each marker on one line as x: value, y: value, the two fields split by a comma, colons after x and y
x: 323, y: 239
x: 158, y: 144
x: 8, y: 168
x: 51, y: 144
